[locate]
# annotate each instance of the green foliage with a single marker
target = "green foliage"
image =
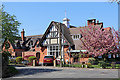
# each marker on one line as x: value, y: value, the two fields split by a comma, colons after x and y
x: 9, y: 71
x: 113, y: 65
x: 7, y: 45
x: 95, y: 66
x: 19, y: 59
x: 81, y: 55
x: 9, y: 26
x: 5, y: 59
x: 31, y: 58
x: 103, y: 64
x: 91, y: 60
x: 12, y: 61
x: 88, y: 65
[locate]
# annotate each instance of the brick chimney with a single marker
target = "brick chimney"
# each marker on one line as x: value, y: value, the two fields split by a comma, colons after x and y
x: 91, y: 22
x: 23, y: 34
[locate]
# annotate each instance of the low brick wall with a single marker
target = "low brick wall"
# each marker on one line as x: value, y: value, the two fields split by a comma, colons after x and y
x: 84, y: 60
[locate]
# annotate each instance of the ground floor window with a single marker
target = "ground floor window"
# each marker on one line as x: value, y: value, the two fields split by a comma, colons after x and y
x: 53, y: 50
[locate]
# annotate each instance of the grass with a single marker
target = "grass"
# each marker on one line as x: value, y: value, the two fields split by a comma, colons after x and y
x: 92, y: 66
x: 95, y: 66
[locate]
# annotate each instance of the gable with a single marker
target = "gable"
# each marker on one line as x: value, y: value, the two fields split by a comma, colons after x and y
x: 7, y: 45
x: 52, y: 34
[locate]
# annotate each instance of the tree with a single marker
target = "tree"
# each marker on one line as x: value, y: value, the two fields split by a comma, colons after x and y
x: 9, y: 26
x: 98, y: 41
x: 116, y: 37
x: 118, y: 1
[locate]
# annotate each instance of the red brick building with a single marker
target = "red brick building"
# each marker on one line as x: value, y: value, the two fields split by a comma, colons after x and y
x: 48, y: 43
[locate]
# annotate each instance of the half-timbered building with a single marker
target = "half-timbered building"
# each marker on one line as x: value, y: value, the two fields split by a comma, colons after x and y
x: 59, y: 37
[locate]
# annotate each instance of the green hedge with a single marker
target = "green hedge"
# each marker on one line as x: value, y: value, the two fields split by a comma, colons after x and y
x: 91, y: 60
x: 31, y: 58
x: 7, y: 71
x: 19, y: 60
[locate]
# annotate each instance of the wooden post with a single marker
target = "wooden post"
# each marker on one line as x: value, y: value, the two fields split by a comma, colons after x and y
x: 60, y: 44
x: 34, y: 62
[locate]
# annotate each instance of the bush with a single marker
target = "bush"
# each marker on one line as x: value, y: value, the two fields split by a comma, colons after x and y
x: 91, y: 60
x: 31, y: 58
x: 19, y: 60
x: 88, y: 65
x: 12, y: 61
x: 103, y: 64
x: 113, y: 65
x: 77, y: 65
x: 7, y: 71
x: 5, y: 58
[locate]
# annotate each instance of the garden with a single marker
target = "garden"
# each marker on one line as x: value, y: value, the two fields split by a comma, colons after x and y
x: 109, y: 63
x: 22, y: 61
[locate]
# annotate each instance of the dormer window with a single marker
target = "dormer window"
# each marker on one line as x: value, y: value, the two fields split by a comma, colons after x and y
x: 76, y: 36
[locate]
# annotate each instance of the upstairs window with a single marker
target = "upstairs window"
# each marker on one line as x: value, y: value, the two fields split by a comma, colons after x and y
x: 76, y: 36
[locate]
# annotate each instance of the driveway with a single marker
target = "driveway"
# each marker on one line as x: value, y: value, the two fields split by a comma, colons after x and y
x: 52, y: 72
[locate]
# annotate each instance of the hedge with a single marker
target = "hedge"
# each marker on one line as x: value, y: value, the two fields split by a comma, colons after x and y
x: 31, y: 58
x: 19, y: 60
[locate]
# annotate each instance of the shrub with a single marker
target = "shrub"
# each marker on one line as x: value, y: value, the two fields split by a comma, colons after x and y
x: 31, y: 58
x: 7, y: 71
x: 91, y: 60
x: 12, y: 61
x: 19, y: 60
x: 113, y: 65
x: 103, y: 64
x: 77, y: 65
x: 88, y: 65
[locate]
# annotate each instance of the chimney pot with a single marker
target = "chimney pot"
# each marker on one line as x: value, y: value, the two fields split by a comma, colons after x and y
x: 97, y: 21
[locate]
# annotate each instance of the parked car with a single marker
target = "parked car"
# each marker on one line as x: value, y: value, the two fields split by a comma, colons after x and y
x: 48, y: 60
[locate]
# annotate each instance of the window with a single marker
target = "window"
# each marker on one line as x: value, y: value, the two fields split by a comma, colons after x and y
x: 53, y: 50
x: 76, y: 36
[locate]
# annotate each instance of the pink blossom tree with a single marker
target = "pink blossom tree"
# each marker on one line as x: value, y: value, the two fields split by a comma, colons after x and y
x: 116, y: 38
x: 98, y: 41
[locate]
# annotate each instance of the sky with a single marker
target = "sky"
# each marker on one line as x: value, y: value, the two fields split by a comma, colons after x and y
x: 35, y: 17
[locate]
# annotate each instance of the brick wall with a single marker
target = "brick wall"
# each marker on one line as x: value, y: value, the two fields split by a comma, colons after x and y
x: 83, y: 60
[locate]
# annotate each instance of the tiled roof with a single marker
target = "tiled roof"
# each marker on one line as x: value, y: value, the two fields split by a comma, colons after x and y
x: 65, y: 29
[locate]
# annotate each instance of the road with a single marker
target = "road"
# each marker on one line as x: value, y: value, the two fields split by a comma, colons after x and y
x: 52, y: 72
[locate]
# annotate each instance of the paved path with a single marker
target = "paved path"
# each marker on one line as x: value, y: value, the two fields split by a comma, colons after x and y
x: 51, y: 72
